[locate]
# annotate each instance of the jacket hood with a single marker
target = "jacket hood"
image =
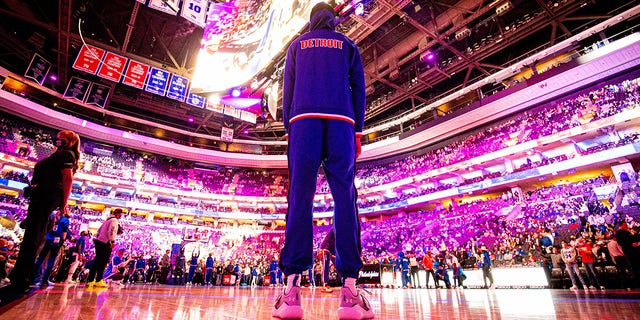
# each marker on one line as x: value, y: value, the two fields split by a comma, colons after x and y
x: 322, y: 19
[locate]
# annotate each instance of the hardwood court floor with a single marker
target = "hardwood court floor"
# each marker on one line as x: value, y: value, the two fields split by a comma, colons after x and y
x: 141, y: 302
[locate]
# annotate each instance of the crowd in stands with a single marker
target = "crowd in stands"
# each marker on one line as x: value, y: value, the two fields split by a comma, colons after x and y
x: 131, y: 168
x: 509, y: 226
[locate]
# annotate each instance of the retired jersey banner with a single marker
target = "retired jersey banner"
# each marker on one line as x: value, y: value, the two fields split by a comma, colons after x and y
x: 98, y: 95
x: 38, y: 69
x: 112, y: 67
x: 226, y: 134
x: 178, y: 88
x: 89, y: 59
x: 231, y: 111
x: 158, y: 80
x: 136, y: 74
x: 77, y: 89
x: 166, y: 6
x: 195, y: 11
x: 196, y: 100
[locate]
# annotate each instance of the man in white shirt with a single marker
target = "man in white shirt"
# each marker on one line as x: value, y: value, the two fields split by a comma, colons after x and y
x: 104, y: 241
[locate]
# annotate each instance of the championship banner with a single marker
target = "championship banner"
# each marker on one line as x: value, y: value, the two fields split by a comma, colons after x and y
x: 112, y: 67
x: 195, y: 11
x: 77, y: 89
x: 178, y: 88
x: 158, y: 80
x: 166, y: 6
x: 248, y: 117
x: 226, y: 134
x: 232, y: 112
x: 136, y: 74
x: 196, y: 100
x: 38, y: 69
x: 98, y: 95
x: 215, y: 107
x: 88, y: 59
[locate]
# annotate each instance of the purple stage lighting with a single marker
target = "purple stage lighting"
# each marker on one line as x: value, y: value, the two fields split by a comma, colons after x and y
x: 235, y: 92
x: 53, y: 77
x: 190, y: 119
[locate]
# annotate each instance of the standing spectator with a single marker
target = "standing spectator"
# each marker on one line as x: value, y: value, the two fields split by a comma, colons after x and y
x: 427, y: 262
x: 622, y: 265
x: 486, y: 268
x: 77, y: 256
x: 413, y: 267
x: 104, y: 242
x: 165, y: 266
x: 323, y: 109
x: 570, y: 258
x: 49, y: 190
x: 588, y: 261
x: 55, y: 238
x: 630, y: 244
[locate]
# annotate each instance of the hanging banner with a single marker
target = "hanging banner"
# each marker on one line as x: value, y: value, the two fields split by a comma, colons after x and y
x: 178, y: 88
x: 158, y: 80
x: 38, y: 69
x: 77, y: 89
x: 88, y: 59
x: 231, y: 111
x: 136, y: 74
x: 98, y: 95
x: 167, y: 6
x: 226, y: 134
x: 195, y: 11
x: 112, y: 67
x: 196, y: 100
x: 215, y: 107
x: 248, y: 117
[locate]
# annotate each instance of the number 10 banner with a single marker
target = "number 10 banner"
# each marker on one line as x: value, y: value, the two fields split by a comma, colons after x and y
x: 195, y: 11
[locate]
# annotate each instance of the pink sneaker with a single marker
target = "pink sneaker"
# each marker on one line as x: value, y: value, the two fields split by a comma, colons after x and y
x: 354, y: 306
x: 288, y: 305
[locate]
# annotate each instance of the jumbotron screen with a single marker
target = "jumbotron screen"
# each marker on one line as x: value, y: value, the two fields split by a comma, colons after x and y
x: 242, y: 37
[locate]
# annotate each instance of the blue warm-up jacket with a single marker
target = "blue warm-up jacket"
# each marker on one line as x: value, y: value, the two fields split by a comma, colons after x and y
x: 322, y: 94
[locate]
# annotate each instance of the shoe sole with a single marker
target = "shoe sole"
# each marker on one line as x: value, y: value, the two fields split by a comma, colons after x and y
x: 292, y: 313
x: 351, y: 314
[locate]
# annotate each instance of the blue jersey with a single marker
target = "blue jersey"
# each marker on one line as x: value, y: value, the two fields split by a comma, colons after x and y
x: 55, y: 234
x: 80, y: 244
x: 486, y: 259
x: 140, y: 264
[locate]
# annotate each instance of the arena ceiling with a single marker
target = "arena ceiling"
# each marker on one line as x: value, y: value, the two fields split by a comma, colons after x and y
x: 413, y: 50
